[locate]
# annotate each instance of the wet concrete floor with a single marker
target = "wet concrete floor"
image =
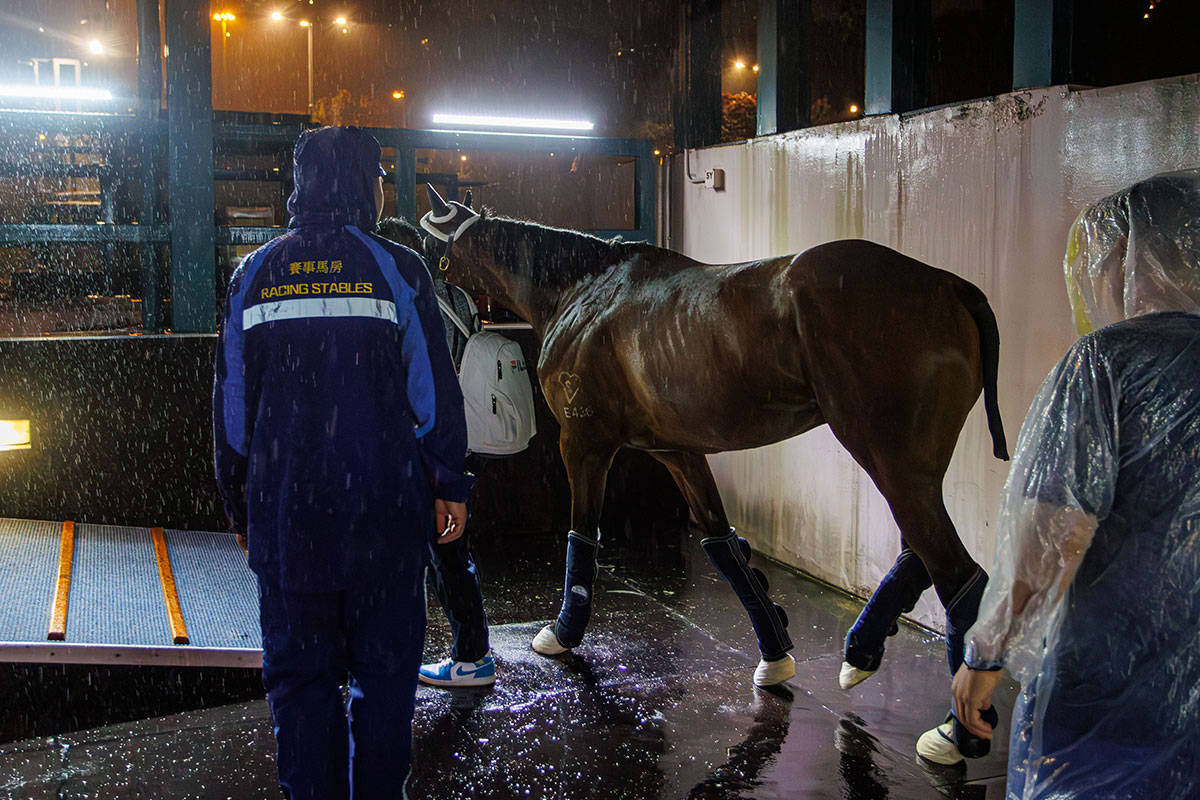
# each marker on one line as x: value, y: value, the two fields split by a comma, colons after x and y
x: 657, y: 703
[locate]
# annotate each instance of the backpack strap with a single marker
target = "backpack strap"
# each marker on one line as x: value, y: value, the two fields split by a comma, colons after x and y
x: 449, y: 313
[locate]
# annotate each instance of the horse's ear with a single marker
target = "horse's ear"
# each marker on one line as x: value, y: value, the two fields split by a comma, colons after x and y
x: 468, y: 198
x: 439, y: 206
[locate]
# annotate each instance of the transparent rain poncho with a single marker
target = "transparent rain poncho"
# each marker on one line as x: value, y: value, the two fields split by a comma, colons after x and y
x: 1136, y: 251
x: 1094, y: 602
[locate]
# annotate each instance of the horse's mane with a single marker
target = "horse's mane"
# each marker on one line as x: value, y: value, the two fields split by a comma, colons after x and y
x: 547, y: 256
x: 550, y: 257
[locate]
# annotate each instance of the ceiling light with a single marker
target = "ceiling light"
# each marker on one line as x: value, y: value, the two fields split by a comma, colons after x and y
x: 518, y: 123
x: 55, y: 92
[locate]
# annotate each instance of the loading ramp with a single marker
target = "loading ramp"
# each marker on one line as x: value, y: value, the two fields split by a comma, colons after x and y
x: 108, y: 594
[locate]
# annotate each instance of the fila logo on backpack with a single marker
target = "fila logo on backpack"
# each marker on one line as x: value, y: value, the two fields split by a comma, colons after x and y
x: 496, y: 391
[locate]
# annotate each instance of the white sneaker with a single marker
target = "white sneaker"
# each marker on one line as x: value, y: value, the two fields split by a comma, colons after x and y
x: 937, y: 745
x: 770, y: 673
x: 852, y: 676
x: 547, y: 643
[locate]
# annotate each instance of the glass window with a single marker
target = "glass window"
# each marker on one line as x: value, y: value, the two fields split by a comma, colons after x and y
x: 970, y: 50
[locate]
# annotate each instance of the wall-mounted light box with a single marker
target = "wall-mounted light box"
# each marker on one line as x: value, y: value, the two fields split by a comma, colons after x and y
x: 14, y: 434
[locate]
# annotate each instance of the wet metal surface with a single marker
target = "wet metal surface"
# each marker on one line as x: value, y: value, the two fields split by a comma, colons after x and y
x: 657, y: 703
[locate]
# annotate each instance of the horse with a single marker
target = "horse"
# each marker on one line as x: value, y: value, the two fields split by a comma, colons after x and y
x: 646, y: 348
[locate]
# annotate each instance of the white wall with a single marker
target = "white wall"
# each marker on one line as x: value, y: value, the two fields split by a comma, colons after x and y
x: 987, y: 190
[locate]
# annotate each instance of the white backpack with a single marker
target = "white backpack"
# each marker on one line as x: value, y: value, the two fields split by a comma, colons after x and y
x: 496, y: 391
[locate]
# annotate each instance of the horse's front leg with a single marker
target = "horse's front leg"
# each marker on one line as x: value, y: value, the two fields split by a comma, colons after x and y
x: 730, y: 555
x: 587, y: 465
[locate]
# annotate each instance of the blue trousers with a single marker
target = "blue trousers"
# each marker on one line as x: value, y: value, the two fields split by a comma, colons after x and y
x: 456, y: 584
x: 369, y: 637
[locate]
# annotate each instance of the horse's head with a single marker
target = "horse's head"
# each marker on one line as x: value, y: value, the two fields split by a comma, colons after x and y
x: 460, y: 247
x: 447, y: 226
x: 432, y: 239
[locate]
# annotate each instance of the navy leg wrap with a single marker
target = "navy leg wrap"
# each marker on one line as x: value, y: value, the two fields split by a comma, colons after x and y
x: 729, y: 557
x: 969, y: 744
x: 961, y: 613
x: 577, y: 589
x: 897, y: 594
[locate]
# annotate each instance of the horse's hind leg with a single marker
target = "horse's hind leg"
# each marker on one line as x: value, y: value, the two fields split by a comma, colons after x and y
x: 587, y: 468
x: 897, y: 594
x: 729, y: 555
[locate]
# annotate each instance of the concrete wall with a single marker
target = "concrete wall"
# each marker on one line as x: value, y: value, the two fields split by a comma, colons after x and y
x: 985, y: 189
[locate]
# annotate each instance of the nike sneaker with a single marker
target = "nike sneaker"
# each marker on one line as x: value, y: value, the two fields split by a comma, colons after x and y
x: 451, y: 673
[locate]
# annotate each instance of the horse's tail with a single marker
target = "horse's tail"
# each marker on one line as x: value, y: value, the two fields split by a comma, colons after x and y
x: 977, y: 306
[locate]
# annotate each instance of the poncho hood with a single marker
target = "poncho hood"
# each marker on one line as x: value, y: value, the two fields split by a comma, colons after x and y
x: 335, y: 173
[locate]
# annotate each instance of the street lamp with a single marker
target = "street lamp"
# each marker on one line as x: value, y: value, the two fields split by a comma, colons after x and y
x: 224, y: 18
x: 309, y: 28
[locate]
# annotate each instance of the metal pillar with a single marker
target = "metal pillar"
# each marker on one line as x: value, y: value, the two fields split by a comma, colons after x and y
x: 898, y: 55
x: 784, y: 65
x: 698, y: 87
x: 150, y: 78
x: 404, y: 180
x: 645, y: 185
x: 1042, y: 42
x: 190, y: 167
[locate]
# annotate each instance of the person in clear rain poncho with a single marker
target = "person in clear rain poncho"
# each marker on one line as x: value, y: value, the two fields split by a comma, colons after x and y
x: 1094, y: 603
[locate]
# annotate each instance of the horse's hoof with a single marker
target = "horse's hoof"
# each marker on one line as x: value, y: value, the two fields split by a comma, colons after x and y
x: 770, y: 673
x: 547, y: 643
x: 851, y: 675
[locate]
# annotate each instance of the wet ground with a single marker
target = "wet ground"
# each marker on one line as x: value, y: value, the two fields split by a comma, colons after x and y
x: 657, y: 703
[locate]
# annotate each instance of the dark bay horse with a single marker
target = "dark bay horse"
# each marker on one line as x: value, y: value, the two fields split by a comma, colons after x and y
x: 646, y: 348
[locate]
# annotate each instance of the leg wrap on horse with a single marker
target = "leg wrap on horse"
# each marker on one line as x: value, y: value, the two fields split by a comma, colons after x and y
x: 577, y: 589
x: 728, y: 555
x: 961, y: 613
x: 897, y: 594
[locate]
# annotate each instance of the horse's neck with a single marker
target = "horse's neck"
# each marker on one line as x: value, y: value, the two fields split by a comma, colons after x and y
x: 534, y: 304
x: 537, y: 299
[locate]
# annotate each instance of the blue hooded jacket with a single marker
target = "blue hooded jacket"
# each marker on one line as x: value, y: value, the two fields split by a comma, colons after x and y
x: 337, y: 416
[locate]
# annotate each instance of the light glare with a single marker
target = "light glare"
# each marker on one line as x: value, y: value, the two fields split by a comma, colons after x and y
x: 55, y: 92
x: 14, y: 434
x: 340, y: 21
x: 524, y: 123
x: 95, y: 46
x: 275, y: 15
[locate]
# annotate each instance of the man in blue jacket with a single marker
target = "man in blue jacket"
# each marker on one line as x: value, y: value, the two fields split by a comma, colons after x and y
x: 339, y: 437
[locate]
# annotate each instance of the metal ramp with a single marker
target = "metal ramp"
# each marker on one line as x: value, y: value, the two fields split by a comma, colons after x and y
x: 105, y: 594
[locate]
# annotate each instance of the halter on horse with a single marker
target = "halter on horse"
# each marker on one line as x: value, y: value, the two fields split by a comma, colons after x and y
x: 645, y: 348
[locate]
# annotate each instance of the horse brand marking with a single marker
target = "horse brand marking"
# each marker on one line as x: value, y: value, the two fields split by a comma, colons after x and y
x: 570, y: 383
